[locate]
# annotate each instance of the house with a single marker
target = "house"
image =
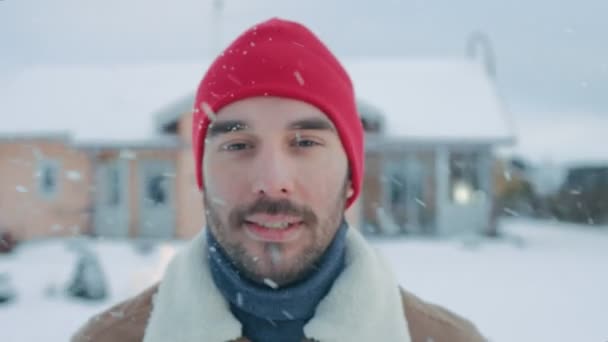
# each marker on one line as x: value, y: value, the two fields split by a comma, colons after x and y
x: 432, y: 128
x: 79, y: 153
x: 105, y: 149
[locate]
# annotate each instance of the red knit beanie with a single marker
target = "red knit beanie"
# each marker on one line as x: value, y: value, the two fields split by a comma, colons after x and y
x: 284, y: 59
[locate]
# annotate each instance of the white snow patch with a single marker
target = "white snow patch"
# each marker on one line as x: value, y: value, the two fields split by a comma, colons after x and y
x: 545, y: 281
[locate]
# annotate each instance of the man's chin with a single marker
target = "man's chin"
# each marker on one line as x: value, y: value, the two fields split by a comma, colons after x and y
x: 282, y: 274
x: 279, y: 279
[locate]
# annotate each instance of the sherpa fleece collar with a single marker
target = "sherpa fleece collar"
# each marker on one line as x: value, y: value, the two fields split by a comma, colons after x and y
x: 363, y: 305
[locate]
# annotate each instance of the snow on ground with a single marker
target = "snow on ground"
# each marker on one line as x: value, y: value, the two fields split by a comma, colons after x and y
x: 41, y: 270
x: 545, y: 281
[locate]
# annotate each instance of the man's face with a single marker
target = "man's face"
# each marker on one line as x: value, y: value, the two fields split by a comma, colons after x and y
x: 276, y: 184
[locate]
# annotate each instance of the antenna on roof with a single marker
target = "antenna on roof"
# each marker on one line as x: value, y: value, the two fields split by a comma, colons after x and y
x: 479, y: 48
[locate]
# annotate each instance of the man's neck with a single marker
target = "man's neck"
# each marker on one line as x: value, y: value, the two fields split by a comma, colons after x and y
x: 291, y: 306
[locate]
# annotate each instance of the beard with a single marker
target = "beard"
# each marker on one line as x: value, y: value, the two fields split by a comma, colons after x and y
x: 322, y: 231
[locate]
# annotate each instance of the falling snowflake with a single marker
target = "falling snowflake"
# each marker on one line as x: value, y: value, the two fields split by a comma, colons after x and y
x: 127, y: 154
x: 239, y: 299
x: 299, y: 77
x: 117, y: 314
x: 218, y: 201
x: 270, y: 283
x: 208, y: 111
x: 37, y: 154
x: 56, y: 227
x: 73, y: 175
x: 396, y: 181
x: 21, y: 189
x: 287, y: 314
x: 275, y: 254
x: 511, y: 212
x: 234, y: 80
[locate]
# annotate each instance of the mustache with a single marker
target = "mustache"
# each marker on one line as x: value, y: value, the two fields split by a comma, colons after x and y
x: 265, y: 205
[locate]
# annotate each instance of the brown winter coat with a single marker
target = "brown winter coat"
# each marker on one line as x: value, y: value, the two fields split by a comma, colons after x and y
x: 364, y: 304
x: 126, y: 322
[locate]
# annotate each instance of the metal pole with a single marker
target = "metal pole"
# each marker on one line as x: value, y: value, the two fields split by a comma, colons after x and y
x: 218, y: 6
x: 479, y: 44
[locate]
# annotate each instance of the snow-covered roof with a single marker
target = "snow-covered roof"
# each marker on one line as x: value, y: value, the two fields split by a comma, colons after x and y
x: 92, y: 102
x: 426, y: 99
x: 562, y: 139
x: 433, y: 99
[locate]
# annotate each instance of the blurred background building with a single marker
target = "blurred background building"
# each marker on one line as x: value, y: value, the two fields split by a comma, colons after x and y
x: 95, y: 103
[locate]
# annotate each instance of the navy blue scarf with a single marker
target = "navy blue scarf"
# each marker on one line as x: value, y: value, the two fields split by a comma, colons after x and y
x: 269, y: 315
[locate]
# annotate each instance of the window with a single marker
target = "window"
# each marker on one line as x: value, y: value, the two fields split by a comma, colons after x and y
x: 371, y: 125
x: 398, y: 189
x: 113, y: 193
x: 48, y: 178
x: 155, y: 188
x: 372, y: 118
x: 464, y: 177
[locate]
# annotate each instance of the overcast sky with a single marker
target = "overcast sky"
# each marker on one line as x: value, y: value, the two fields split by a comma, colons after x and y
x: 552, y: 56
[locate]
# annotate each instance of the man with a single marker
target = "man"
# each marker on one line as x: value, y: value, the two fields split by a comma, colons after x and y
x: 278, y: 147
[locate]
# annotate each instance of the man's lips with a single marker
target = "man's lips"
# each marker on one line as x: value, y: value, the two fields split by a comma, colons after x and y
x: 259, y: 232
x: 267, y: 219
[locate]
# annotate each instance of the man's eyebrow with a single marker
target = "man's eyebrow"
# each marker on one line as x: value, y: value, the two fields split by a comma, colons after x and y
x: 222, y: 127
x: 313, y: 124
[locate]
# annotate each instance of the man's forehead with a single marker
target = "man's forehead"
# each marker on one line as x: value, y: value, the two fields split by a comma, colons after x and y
x: 282, y: 118
x: 269, y: 108
x: 266, y: 113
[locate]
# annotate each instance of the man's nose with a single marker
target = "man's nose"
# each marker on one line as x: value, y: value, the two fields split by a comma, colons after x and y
x: 272, y: 173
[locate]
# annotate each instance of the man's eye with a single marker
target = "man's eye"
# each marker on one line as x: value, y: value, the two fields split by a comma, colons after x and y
x: 236, y: 147
x: 306, y: 143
